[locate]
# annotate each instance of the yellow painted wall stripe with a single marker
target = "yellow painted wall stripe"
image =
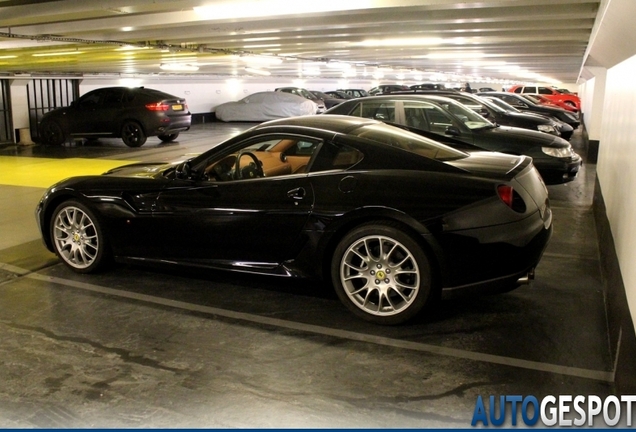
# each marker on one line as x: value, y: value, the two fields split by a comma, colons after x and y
x: 43, y: 172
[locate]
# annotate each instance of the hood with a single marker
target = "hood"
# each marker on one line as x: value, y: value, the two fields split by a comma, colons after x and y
x: 492, y: 164
x: 528, y: 118
x: 529, y: 136
x: 149, y: 170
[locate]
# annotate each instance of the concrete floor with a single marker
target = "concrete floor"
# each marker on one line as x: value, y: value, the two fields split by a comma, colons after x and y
x: 145, y: 347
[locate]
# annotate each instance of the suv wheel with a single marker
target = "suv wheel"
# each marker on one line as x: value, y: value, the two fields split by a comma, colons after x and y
x: 132, y: 134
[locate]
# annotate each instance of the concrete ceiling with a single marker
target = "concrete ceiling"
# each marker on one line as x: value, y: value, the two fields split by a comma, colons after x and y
x: 410, y: 40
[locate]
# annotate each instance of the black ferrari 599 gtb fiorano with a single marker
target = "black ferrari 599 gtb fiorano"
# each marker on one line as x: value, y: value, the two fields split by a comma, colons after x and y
x: 391, y: 218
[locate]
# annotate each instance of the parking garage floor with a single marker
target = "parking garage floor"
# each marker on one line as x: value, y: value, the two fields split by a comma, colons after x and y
x: 160, y: 348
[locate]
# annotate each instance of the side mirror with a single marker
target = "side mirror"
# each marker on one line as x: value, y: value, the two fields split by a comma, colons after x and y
x: 183, y: 171
x: 452, y: 131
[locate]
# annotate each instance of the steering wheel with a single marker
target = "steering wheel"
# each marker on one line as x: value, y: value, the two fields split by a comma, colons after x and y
x: 254, y: 169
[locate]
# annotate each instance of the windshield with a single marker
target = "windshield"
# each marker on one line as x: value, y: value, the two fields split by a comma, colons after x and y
x: 503, y: 104
x: 470, y: 118
x: 408, y: 141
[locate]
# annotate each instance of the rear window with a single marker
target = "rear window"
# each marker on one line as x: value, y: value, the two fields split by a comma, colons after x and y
x: 405, y: 140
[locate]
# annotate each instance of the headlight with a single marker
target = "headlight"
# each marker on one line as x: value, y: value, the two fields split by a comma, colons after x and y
x: 546, y: 128
x: 560, y: 152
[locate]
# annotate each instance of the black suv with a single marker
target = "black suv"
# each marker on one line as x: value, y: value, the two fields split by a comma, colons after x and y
x: 132, y: 114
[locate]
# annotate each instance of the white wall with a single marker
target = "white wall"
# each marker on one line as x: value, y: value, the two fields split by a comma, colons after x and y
x: 592, y: 94
x: 203, y: 94
x: 615, y: 168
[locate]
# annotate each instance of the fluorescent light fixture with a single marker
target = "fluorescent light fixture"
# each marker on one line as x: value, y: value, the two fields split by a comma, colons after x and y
x: 312, y: 71
x: 8, y: 57
x: 401, y: 42
x: 262, y: 60
x: 179, y: 67
x: 263, y: 8
x: 59, y: 53
x: 338, y: 65
x: 132, y: 48
x: 256, y: 71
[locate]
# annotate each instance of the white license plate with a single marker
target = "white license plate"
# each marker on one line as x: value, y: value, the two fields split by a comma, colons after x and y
x: 177, y: 107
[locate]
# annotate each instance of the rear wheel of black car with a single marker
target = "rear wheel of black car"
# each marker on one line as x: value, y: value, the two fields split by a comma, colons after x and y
x: 132, y: 134
x: 381, y: 274
x: 169, y: 137
x: 51, y: 133
x: 77, y: 237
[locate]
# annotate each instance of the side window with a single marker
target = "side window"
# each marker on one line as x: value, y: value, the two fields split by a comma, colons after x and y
x: 531, y: 89
x: 384, y: 111
x: 511, y: 100
x: 332, y: 156
x: 545, y: 90
x: 518, y: 90
x: 269, y: 156
x: 113, y: 97
x: 90, y: 100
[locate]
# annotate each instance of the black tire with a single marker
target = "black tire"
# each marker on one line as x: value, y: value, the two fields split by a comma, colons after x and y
x: 78, y: 238
x: 168, y: 137
x: 132, y: 134
x: 389, y: 288
x: 51, y: 133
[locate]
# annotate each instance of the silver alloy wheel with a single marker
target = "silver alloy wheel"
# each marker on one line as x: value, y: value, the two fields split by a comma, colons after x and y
x: 380, y: 275
x: 75, y: 237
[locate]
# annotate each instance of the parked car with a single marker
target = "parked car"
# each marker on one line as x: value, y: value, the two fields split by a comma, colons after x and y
x: 438, y: 116
x: 498, y: 115
x: 356, y: 93
x: 391, y: 218
x: 565, y: 129
x: 542, y: 100
x: 387, y: 88
x: 327, y: 99
x: 299, y: 91
x: 521, y: 102
x: 554, y: 95
x: 339, y: 94
x: 263, y: 106
x: 428, y: 86
x: 132, y: 114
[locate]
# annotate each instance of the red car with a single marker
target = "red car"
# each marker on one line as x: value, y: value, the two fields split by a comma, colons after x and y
x: 542, y: 100
x: 569, y: 99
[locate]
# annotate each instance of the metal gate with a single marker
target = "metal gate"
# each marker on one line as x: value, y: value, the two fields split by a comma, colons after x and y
x: 47, y: 94
x: 6, y: 127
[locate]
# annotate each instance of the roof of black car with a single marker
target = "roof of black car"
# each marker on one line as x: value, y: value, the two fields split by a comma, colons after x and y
x: 331, y: 122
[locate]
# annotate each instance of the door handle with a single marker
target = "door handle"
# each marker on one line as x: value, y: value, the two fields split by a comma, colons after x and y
x: 297, y: 194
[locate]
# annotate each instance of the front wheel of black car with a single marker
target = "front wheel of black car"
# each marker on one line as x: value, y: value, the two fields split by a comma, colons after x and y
x: 381, y: 274
x: 78, y: 238
x: 51, y: 133
x: 132, y: 134
x: 169, y: 137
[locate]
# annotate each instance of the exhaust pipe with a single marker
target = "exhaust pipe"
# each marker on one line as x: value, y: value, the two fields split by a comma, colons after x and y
x: 527, y: 279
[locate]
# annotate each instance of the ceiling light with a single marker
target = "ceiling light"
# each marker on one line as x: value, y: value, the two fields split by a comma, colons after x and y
x: 400, y: 42
x: 59, y: 53
x: 256, y: 71
x: 8, y: 57
x: 179, y: 67
x: 262, y: 8
x: 262, y: 60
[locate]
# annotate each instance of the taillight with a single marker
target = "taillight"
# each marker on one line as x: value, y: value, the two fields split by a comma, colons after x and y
x: 511, y: 198
x: 159, y: 106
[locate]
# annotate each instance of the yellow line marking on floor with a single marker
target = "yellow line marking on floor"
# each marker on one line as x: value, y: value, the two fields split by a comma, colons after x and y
x: 43, y: 172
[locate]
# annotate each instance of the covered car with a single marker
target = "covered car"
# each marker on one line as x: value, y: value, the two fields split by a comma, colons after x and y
x: 263, y: 106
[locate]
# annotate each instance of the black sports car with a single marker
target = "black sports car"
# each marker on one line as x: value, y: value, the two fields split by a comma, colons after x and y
x: 132, y: 114
x: 438, y: 117
x: 392, y: 218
